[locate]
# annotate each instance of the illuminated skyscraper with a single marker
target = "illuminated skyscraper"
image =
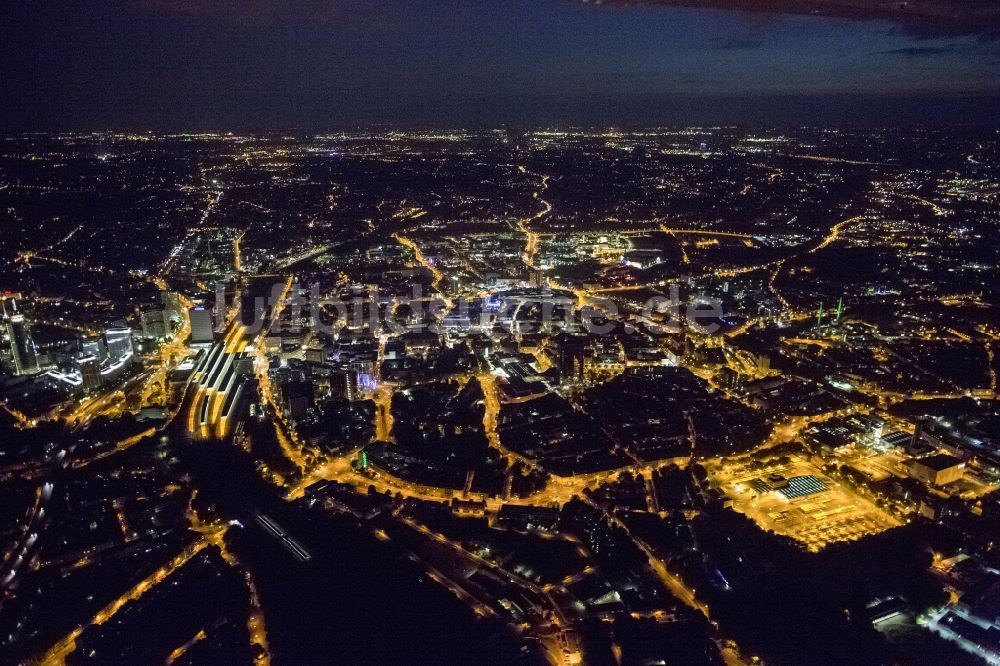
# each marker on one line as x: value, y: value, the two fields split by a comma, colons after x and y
x: 171, y: 305
x: 201, y: 325
x: 90, y: 372
x: 94, y: 346
x: 22, y: 347
x: 154, y: 323
x: 344, y: 385
x: 119, y: 342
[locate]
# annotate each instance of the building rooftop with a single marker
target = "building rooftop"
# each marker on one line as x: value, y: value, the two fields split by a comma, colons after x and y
x: 939, y: 462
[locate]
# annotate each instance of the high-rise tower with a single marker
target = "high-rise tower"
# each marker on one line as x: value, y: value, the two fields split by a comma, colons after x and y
x: 22, y: 347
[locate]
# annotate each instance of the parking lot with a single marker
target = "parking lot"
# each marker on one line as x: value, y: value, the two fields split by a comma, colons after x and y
x: 832, y: 513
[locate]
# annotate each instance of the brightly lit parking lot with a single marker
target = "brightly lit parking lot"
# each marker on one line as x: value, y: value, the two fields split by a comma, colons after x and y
x: 791, y: 496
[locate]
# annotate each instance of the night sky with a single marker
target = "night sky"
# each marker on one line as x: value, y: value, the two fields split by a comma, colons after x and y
x: 175, y: 64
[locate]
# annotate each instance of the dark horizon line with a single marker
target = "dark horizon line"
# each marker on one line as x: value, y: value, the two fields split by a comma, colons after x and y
x: 890, y: 110
x: 304, y: 132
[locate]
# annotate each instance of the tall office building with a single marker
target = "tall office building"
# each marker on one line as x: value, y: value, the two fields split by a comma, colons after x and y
x: 95, y: 347
x: 90, y: 372
x: 118, y: 340
x: 22, y: 347
x: 154, y: 323
x: 535, y: 279
x: 171, y: 305
x: 344, y: 385
x: 201, y: 325
x: 222, y: 294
